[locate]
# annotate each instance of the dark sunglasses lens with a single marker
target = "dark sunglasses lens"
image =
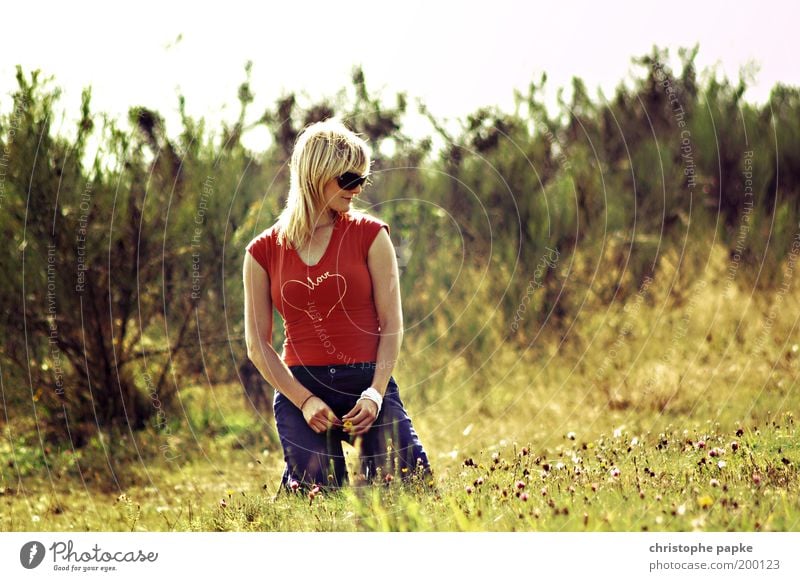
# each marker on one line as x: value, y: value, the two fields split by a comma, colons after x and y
x: 350, y: 180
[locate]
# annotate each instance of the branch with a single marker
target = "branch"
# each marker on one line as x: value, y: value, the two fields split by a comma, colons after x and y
x: 181, y: 333
x: 153, y: 352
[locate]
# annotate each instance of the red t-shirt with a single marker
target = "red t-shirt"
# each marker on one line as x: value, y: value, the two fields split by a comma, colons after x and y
x: 328, y: 309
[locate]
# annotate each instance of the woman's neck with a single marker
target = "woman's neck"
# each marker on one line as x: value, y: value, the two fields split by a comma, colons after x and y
x: 323, y: 219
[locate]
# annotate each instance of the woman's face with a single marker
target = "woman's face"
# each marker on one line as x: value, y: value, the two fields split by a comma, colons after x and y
x: 336, y: 198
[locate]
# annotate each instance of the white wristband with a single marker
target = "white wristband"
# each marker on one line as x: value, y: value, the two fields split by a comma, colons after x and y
x: 372, y: 394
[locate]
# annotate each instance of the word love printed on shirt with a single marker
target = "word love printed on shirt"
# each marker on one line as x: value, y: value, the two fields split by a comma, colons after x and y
x: 325, y: 285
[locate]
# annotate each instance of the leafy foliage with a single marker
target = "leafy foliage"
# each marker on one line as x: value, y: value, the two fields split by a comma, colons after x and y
x: 123, y: 282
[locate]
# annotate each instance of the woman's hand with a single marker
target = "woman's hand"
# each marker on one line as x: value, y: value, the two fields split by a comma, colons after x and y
x: 318, y: 415
x: 359, y: 420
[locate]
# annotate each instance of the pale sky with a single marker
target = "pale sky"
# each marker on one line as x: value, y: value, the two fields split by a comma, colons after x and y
x: 455, y: 56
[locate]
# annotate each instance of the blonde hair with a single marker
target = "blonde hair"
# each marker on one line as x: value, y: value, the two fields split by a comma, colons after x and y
x: 323, y: 151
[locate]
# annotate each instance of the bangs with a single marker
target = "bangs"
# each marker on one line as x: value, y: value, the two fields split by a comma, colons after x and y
x: 349, y: 156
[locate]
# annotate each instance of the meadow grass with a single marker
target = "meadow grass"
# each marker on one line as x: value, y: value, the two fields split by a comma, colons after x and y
x: 676, y: 480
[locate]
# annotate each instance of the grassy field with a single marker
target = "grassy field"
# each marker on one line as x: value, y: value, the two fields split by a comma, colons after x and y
x: 674, y: 412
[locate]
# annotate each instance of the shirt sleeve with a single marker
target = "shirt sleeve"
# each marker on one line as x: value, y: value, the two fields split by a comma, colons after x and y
x: 372, y: 226
x: 259, y: 249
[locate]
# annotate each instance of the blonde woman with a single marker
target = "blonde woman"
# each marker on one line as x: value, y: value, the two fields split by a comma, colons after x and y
x: 332, y: 275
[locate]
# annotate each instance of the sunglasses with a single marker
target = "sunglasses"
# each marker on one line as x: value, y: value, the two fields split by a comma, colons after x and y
x: 351, y: 180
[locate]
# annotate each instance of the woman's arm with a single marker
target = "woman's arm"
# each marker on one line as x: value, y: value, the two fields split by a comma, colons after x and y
x: 382, y: 264
x: 258, y: 336
x: 386, y: 294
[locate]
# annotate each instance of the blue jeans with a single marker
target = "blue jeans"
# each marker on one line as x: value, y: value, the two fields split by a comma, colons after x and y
x: 391, y: 445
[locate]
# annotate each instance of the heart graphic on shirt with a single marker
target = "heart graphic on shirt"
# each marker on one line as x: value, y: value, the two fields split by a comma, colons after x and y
x: 312, y: 285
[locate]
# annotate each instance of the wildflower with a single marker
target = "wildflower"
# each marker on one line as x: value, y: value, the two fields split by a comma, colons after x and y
x: 479, y: 481
x: 634, y: 441
x: 721, y: 464
x: 468, y: 490
x: 614, y: 472
x: 388, y: 478
x: 705, y: 501
x: 698, y: 523
x: 734, y: 445
x: 523, y: 497
x: 544, y: 491
x: 715, y: 452
x: 520, y: 485
x: 524, y: 452
x: 223, y: 503
x: 571, y: 436
x: 701, y: 444
x: 714, y: 482
x: 294, y: 485
x: 36, y: 518
x: 756, y: 479
x: 681, y: 510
